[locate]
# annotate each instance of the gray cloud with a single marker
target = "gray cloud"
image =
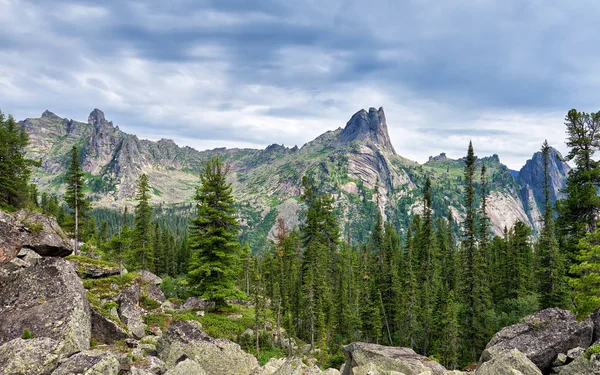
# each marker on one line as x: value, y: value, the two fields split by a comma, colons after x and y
x: 233, y: 72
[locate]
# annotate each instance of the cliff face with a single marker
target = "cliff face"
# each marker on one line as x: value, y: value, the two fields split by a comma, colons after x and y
x: 347, y: 163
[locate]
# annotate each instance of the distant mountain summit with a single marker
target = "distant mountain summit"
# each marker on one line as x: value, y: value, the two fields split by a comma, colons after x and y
x: 369, y: 128
x: 347, y: 163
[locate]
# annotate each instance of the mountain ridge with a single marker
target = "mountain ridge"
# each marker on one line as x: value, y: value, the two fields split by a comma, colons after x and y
x: 347, y: 163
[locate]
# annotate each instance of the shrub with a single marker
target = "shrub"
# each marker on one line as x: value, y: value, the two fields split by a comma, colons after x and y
x: 27, y: 334
x: 148, y: 303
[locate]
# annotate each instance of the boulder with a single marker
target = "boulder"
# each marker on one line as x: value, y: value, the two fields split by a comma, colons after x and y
x: 89, y: 362
x: 363, y: 357
x: 129, y: 310
x: 105, y: 329
x: 197, y: 303
x: 580, y: 366
x: 541, y: 337
x: 509, y: 362
x: 28, y: 256
x: 93, y: 269
x: 295, y: 366
x: 47, y: 298
x: 216, y: 356
x: 574, y: 353
x: 155, y: 293
x: 10, y: 237
x: 149, y: 277
x: 43, y: 235
x: 331, y: 371
x: 151, y: 365
x: 187, y: 367
x: 37, y: 356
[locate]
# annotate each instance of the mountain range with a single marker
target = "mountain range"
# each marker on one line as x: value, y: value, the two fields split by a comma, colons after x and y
x: 347, y: 162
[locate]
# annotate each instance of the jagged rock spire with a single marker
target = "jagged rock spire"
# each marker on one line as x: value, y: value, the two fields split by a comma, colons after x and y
x: 96, y: 117
x: 368, y: 127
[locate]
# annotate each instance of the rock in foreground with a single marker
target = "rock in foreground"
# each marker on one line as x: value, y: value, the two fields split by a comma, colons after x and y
x: 49, y: 300
x: 362, y: 358
x: 38, y: 356
x: 509, y: 363
x: 89, y: 362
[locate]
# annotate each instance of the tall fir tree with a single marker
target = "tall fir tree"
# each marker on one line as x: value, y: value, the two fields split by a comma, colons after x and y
x: 75, y: 198
x: 214, y: 244
x: 142, y: 230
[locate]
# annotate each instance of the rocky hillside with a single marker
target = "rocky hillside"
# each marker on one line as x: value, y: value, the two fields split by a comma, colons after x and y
x: 76, y: 315
x: 346, y: 162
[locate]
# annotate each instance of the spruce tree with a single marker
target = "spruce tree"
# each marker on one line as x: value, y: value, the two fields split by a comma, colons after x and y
x: 551, y: 271
x: 214, y: 244
x: 586, y: 282
x: 142, y: 231
x: 75, y: 198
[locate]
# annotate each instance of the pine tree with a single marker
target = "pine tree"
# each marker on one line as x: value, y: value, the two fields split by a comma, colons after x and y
x: 142, y: 231
x: 586, y: 282
x: 75, y: 198
x: 551, y: 273
x: 214, y: 244
x: 448, y: 332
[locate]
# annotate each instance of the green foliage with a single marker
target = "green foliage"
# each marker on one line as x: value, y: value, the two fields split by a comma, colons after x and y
x: 594, y: 349
x: 27, y: 334
x: 15, y: 168
x: 214, y: 245
x: 75, y: 198
x: 157, y: 320
x: 174, y: 287
x: 148, y: 303
x: 587, y: 272
x: 141, y: 237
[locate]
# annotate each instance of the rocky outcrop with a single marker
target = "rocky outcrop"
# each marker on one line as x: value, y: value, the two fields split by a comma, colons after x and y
x: 363, y: 357
x: 10, y: 238
x: 184, y: 339
x: 197, y: 303
x: 49, y: 300
x: 187, y: 367
x: 368, y: 127
x: 105, y: 329
x: 42, y: 234
x: 532, y: 175
x: 129, y: 310
x: 89, y: 362
x: 154, y: 292
x: 541, y: 337
x: 508, y: 363
x: 151, y: 278
x: 37, y: 356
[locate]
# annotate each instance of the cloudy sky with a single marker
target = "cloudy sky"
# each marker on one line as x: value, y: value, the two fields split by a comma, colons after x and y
x: 241, y: 73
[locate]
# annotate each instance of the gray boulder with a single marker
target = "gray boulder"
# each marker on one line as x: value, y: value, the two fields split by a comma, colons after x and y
x: 129, y: 310
x: 149, y: 277
x: 511, y: 362
x: 541, y: 337
x: 187, y: 367
x: 197, y: 303
x: 10, y: 237
x: 155, y: 293
x: 28, y: 256
x: 580, y: 366
x: 43, y: 235
x: 595, y: 317
x: 47, y: 298
x: 105, y: 329
x: 363, y: 357
x: 89, y: 362
x: 37, y: 356
x: 216, y: 356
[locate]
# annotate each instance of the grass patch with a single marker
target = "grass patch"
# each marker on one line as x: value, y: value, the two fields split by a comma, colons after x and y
x: 84, y: 263
x: 27, y: 334
x: 594, y: 349
x: 103, y: 287
x: 158, y: 320
x: 265, y: 354
x: 148, y: 303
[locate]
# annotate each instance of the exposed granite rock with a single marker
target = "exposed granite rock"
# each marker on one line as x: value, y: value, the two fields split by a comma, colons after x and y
x: 37, y: 356
x: 197, y: 303
x: 149, y: 277
x: 580, y: 366
x: 105, y: 330
x: 370, y: 127
x: 187, y: 367
x: 129, y: 310
x: 10, y: 237
x: 541, y: 337
x: 508, y: 363
x: 47, y: 298
x: 155, y: 293
x: 42, y: 234
x: 184, y: 339
x: 363, y: 357
x: 89, y: 362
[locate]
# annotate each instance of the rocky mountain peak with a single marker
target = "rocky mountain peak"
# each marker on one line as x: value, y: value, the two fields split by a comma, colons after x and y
x: 532, y: 174
x: 369, y: 127
x: 96, y: 117
x: 48, y: 114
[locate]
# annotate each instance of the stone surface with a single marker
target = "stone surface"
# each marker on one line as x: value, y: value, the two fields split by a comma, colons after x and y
x: 37, y: 356
x: 363, y: 357
x: 197, y: 303
x: 560, y: 360
x: 154, y: 292
x: 10, y: 237
x: 43, y: 235
x: 216, y: 356
x: 89, y: 362
x: 187, y: 367
x: 129, y: 310
x: 47, y: 298
x: 595, y: 317
x: 572, y: 354
x: 511, y: 362
x: 28, y: 256
x: 541, y: 337
x: 106, y: 330
x: 149, y: 277
x: 580, y: 366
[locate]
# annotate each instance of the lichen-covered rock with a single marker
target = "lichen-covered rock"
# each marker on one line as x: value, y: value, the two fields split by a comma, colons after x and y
x: 37, y: 356
x: 43, y: 235
x: 28, y: 256
x: 331, y: 371
x: 10, y: 237
x: 154, y: 292
x: 151, y: 365
x: 151, y: 278
x: 89, y: 362
x: 541, y: 337
x: 363, y: 357
x: 295, y: 366
x: 129, y: 310
x: 197, y: 303
x: 580, y: 366
x: 105, y: 329
x: 215, y: 356
x: 47, y: 298
x: 187, y: 367
x: 94, y: 268
x: 510, y: 362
